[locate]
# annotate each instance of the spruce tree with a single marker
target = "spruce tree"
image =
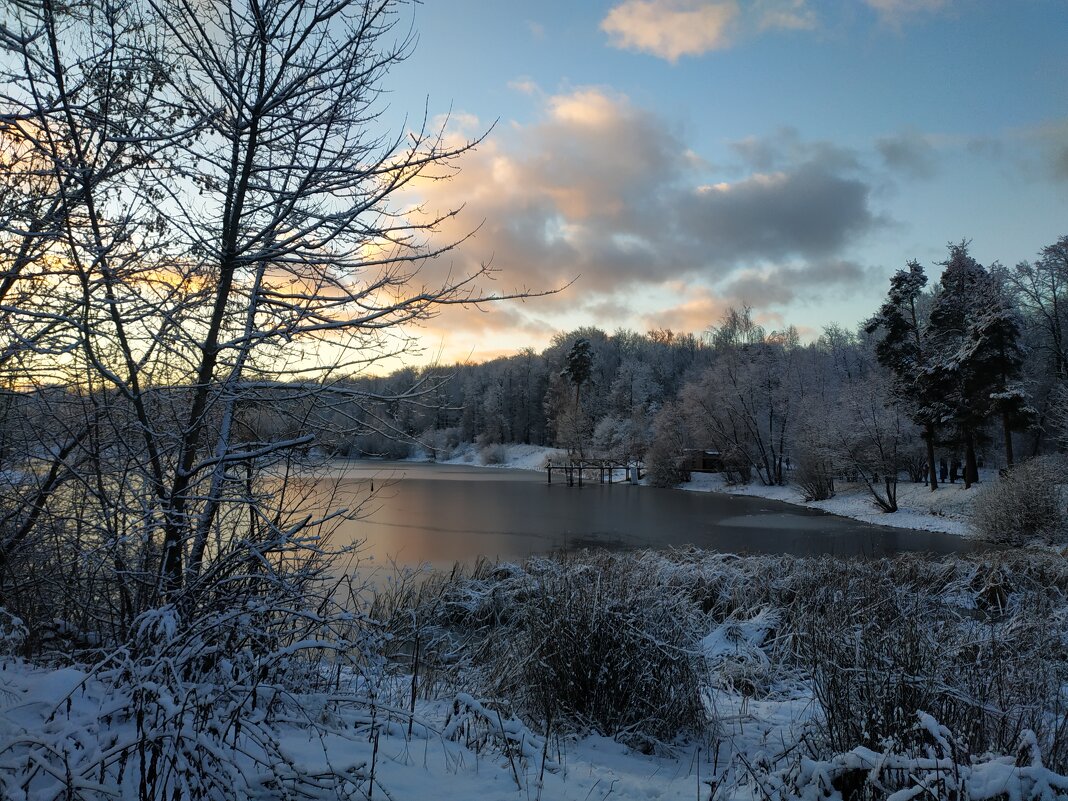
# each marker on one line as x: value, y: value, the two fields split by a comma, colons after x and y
x: 974, y: 332
x: 904, y: 352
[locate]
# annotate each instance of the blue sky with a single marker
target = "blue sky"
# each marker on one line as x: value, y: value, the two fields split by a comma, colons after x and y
x: 683, y: 156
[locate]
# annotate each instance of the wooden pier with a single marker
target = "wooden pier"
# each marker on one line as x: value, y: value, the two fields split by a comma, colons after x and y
x: 605, y: 468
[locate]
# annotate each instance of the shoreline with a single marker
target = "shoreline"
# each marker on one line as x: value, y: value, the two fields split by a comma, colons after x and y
x: 947, y: 510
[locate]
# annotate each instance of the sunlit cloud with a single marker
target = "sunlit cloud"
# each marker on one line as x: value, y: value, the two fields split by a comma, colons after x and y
x: 698, y: 312
x: 524, y: 86
x: 634, y: 223
x: 672, y: 29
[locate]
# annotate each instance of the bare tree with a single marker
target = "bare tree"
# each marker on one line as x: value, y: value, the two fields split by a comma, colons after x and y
x: 745, y: 404
x: 211, y: 217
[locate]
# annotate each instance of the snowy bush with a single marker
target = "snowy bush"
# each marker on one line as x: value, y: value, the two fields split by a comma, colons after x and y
x: 439, y: 443
x: 202, y: 699
x: 12, y: 632
x: 492, y: 453
x: 941, y: 768
x: 1027, y: 503
x: 882, y: 646
x: 665, y: 459
x: 594, y: 642
x: 601, y: 646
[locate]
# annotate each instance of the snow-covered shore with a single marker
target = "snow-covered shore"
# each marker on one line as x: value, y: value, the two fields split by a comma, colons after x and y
x: 86, y: 731
x: 946, y: 510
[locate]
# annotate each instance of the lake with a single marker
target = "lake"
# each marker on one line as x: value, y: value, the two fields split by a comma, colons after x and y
x: 438, y: 514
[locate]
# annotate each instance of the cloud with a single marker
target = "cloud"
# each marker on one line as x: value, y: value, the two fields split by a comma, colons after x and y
x: 785, y: 147
x: 670, y: 29
x: 781, y: 285
x: 1053, y: 141
x: 909, y: 153
x: 1059, y: 160
x: 524, y: 86
x: 701, y: 309
x: 604, y: 190
x: 812, y: 210
x: 791, y: 15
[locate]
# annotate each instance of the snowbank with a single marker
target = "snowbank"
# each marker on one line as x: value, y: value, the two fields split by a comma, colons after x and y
x: 948, y: 509
x: 509, y: 457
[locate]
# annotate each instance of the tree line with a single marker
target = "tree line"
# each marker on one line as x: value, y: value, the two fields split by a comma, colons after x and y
x: 961, y: 364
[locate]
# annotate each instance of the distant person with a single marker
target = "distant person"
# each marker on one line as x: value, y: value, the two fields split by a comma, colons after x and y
x: 943, y: 469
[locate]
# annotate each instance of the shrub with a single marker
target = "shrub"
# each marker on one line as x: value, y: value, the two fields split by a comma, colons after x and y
x: 601, y: 646
x: 493, y: 454
x: 1025, y: 504
x: 664, y: 467
x: 814, y: 478
x: 882, y: 646
x: 665, y: 458
x: 592, y: 642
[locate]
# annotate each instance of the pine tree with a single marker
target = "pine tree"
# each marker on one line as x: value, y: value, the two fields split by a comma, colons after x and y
x: 975, y: 332
x: 997, y: 362
x: 904, y: 352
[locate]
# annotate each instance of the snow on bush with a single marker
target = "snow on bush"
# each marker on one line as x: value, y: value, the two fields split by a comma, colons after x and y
x: 940, y: 769
x: 1027, y: 503
x: 595, y: 642
x: 12, y: 632
x: 200, y: 702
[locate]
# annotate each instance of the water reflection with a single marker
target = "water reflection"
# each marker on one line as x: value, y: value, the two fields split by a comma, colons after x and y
x: 442, y: 514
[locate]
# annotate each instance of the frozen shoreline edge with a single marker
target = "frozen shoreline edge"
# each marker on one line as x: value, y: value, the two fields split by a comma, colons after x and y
x: 947, y: 510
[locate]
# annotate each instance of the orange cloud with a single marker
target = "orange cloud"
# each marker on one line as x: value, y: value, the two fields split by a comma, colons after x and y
x: 605, y: 192
x: 702, y: 310
x: 671, y: 28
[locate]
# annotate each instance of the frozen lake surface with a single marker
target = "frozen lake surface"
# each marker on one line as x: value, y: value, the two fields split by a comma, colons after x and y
x: 442, y: 514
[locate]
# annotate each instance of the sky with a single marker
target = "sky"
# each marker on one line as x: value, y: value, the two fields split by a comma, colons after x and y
x: 669, y: 159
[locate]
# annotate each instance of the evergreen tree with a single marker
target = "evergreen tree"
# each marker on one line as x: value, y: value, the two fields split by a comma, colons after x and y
x: 975, y: 334
x: 904, y: 351
x: 997, y: 361
x: 579, y: 366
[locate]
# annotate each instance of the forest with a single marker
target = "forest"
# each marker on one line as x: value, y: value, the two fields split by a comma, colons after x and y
x: 207, y: 248
x: 963, y: 367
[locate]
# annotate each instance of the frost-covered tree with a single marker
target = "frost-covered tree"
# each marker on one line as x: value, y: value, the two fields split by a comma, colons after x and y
x: 210, y: 226
x: 1040, y: 290
x: 976, y: 361
x: 903, y: 349
x: 745, y: 404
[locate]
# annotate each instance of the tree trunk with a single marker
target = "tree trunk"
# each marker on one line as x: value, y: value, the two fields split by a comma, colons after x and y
x: 1008, y: 437
x: 932, y: 468
x: 971, y: 468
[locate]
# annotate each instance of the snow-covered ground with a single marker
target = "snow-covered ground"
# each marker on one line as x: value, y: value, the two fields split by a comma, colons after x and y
x: 45, y: 713
x: 511, y: 456
x: 946, y: 510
